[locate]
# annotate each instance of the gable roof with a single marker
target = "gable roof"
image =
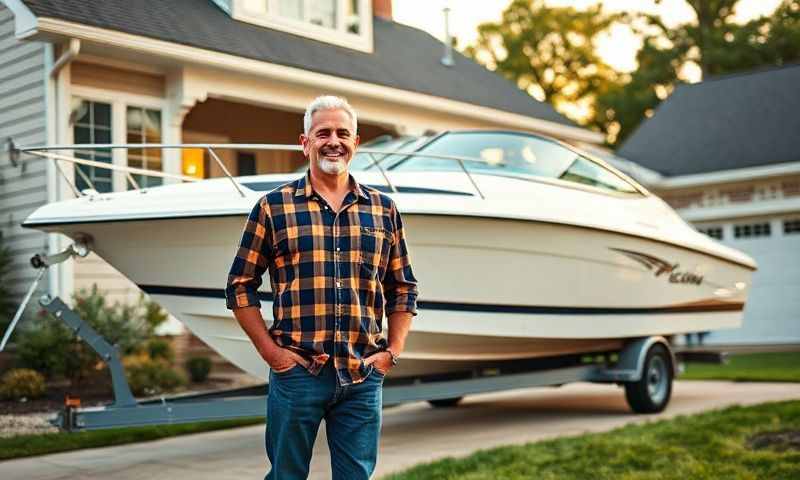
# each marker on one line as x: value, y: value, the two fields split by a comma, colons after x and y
x: 403, y: 57
x: 730, y: 122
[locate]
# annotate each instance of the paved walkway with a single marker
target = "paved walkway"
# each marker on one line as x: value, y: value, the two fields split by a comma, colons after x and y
x: 412, y: 433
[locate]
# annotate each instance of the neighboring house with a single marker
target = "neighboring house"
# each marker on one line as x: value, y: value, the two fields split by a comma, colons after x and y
x: 728, y: 152
x: 197, y: 71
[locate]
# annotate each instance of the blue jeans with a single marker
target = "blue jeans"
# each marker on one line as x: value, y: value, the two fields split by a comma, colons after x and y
x: 297, y: 403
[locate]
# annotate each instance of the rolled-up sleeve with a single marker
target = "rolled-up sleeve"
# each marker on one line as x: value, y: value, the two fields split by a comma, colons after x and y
x: 399, y: 283
x: 251, y: 261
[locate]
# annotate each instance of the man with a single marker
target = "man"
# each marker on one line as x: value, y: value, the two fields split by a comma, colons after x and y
x: 337, y: 257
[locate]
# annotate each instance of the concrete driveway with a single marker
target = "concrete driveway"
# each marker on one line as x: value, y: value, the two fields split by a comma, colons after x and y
x: 412, y: 433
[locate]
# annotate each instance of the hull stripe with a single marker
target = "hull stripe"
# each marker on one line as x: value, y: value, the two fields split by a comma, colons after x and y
x: 481, y: 307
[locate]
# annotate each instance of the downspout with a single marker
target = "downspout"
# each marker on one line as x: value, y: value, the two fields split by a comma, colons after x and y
x: 73, y: 48
x: 59, y: 277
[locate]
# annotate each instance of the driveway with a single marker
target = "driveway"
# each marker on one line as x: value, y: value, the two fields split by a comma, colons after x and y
x: 412, y: 433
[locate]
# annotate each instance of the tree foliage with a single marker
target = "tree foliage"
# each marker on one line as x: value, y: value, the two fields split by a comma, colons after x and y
x: 550, y: 52
x: 714, y: 43
x: 547, y: 51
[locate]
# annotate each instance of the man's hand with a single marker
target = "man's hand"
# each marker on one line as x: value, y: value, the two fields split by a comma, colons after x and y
x: 283, y: 360
x: 381, y: 360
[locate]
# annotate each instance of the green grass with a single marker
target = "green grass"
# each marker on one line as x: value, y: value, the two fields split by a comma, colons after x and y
x: 42, y: 444
x: 707, y: 446
x: 750, y: 367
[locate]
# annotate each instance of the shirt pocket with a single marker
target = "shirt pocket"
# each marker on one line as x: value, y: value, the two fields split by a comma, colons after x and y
x: 373, y: 247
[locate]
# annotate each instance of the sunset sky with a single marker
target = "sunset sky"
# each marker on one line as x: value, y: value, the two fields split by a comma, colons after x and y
x: 618, y: 48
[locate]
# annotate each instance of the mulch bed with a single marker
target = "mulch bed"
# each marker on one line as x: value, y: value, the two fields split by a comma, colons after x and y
x: 779, y: 441
x: 91, y: 393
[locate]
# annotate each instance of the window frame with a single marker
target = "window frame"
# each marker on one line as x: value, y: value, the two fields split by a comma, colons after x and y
x: 119, y: 102
x: 705, y: 229
x: 790, y: 226
x: 337, y: 36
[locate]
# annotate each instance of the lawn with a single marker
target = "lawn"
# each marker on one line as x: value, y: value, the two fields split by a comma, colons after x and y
x: 29, y: 445
x: 749, y: 367
x: 713, y: 445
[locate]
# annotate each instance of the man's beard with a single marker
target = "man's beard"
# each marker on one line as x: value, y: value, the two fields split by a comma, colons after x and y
x: 331, y: 167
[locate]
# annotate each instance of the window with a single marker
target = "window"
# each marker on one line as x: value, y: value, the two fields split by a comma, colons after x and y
x: 589, y: 173
x: 752, y: 230
x: 503, y: 153
x: 341, y: 22
x: 92, y: 124
x: 144, y: 126
x: 247, y: 163
x: 713, y: 232
x: 791, y: 227
x: 104, y: 116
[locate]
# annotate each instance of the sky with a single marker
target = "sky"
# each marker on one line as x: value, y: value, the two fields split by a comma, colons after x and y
x: 618, y: 48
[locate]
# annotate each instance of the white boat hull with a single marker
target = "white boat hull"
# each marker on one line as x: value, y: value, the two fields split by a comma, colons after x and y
x: 492, y: 289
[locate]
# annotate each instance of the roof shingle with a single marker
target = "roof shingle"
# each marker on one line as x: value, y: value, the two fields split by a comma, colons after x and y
x: 735, y: 121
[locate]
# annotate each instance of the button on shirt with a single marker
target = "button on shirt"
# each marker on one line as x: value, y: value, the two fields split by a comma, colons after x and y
x: 332, y: 274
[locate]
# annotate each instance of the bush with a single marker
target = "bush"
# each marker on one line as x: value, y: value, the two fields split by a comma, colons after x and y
x: 152, y: 377
x: 51, y: 348
x: 21, y: 383
x: 160, y: 349
x: 199, y: 368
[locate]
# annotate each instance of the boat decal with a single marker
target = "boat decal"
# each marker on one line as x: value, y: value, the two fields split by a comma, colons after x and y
x: 695, y: 307
x: 661, y: 267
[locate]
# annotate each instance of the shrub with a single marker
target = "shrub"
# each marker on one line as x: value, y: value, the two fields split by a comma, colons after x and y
x: 152, y: 377
x: 22, y: 383
x: 199, y: 368
x: 160, y: 349
x: 51, y: 348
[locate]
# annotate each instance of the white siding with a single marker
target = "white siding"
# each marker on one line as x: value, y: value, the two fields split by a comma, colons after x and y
x: 22, y: 117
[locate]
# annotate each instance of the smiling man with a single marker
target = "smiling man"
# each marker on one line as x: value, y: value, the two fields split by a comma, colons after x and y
x: 337, y: 260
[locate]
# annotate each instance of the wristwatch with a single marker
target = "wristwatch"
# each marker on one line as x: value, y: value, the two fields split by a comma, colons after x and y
x: 394, y: 355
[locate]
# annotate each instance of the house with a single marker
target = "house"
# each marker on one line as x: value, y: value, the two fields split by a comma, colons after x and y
x: 203, y: 71
x: 728, y: 156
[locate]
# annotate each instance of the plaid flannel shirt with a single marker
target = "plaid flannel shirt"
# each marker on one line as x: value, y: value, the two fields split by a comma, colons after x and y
x: 331, y: 273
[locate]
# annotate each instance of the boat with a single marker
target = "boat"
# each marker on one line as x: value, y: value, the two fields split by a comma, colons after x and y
x: 524, y: 247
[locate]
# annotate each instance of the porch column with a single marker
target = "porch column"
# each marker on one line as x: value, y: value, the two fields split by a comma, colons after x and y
x: 180, y: 100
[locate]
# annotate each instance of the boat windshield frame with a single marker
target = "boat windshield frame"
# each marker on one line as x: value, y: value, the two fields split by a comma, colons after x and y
x: 63, y: 153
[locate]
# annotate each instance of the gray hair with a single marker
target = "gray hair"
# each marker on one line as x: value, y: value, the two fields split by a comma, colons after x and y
x: 328, y: 102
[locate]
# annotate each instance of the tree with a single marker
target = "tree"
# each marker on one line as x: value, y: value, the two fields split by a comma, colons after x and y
x: 548, y: 52
x: 713, y: 42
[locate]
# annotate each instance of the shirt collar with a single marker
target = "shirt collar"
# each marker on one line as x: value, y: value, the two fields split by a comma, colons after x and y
x: 304, y: 188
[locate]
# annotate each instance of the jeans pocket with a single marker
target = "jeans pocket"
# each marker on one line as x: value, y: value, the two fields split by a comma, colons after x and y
x: 288, y: 372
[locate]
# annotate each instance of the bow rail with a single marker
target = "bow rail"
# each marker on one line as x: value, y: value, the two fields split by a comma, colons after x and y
x: 46, y: 152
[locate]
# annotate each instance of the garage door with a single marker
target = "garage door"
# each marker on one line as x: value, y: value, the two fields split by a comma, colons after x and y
x: 772, y: 314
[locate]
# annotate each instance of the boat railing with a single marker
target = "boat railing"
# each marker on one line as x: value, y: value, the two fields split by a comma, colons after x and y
x: 55, y: 153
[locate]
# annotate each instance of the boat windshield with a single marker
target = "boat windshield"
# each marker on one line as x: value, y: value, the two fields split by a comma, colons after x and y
x: 509, y: 153
x: 362, y: 161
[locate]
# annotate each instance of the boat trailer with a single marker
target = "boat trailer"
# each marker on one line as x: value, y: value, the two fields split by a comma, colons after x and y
x: 645, y: 366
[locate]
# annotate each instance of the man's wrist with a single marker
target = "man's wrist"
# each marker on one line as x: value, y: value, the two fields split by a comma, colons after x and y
x: 395, y: 356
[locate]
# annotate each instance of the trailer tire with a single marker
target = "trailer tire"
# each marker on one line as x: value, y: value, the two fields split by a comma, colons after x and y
x: 651, y: 393
x: 445, y: 402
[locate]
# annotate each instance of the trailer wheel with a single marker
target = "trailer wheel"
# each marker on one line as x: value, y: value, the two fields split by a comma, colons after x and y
x: 652, y: 392
x: 445, y: 402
